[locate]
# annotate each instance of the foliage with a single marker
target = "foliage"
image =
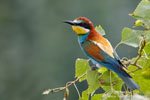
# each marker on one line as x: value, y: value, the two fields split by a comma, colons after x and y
x: 139, y: 66
x: 100, y: 30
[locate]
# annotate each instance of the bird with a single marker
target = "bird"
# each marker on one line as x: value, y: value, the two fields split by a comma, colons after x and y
x: 99, y: 50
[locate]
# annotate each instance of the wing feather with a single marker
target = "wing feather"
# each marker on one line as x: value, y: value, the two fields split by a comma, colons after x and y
x: 102, y: 42
x: 94, y: 51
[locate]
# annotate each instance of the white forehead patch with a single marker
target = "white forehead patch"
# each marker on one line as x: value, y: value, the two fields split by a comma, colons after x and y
x: 75, y: 20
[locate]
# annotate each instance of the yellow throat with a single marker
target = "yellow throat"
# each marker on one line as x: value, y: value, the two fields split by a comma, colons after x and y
x: 80, y: 30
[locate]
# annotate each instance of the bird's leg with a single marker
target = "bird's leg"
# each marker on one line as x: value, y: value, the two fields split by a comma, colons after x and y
x: 125, y: 61
x: 93, y: 67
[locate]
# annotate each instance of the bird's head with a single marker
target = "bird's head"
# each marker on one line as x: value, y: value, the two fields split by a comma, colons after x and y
x: 81, y: 25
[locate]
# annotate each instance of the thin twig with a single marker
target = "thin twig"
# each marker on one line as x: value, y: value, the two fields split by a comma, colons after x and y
x: 141, y: 49
x: 143, y: 43
x: 77, y: 90
x: 73, y: 82
x: 117, y: 46
x: 68, y: 84
x: 139, y: 67
x: 110, y: 81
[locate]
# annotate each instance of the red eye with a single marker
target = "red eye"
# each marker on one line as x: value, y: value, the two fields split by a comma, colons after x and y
x: 81, y: 24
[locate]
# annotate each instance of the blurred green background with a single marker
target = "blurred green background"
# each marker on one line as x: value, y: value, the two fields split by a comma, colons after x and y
x: 38, y: 51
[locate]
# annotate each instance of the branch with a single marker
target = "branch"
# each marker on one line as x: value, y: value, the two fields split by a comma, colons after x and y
x: 141, y: 49
x: 68, y: 84
x: 143, y: 43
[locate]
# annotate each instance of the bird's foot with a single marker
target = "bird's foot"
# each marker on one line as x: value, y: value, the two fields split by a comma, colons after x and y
x: 93, y: 67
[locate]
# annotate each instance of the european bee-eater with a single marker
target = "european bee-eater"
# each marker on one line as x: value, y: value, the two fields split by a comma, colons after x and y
x: 99, y: 50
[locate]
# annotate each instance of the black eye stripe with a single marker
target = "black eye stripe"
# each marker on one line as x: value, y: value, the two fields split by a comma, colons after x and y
x: 82, y: 24
x: 85, y: 25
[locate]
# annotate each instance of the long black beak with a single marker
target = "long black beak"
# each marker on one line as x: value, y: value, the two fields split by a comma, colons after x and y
x: 70, y: 22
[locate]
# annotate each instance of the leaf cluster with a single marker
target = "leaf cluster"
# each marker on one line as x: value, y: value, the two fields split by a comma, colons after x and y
x: 109, y: 84
x: 139, y: 66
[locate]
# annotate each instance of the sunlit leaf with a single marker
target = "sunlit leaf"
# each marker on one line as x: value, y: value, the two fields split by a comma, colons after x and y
x: 102, y: 70
x: 138, y: 23
x: 146, y: 74
x: 133, y: 37
x: 138, y: 76
x: 146, y: 51
x: 108, y: 77
x: 85, y: 95
x: 142, y: 13
x: 117, y: 84
x: 143, y: 9
x: 146, y: 23
x: 100, y: 30
x: 97, y: 97
x: 81, y: 67
x: 82, y: 99
x: 93, y: 81
x: 105, y: 77
x: 113, y: 96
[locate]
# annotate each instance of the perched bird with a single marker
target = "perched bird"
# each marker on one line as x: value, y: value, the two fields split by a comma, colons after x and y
x: 99, y: 50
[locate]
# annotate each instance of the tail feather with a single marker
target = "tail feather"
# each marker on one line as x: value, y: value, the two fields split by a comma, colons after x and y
x: 118, y: 69
x: 130, y: 83
x: 126, y: 78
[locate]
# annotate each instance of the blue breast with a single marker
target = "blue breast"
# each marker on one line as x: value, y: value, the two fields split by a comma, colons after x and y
x: 81, y: 38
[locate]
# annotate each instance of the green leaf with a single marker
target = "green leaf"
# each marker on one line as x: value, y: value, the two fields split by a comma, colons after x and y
x: 85, y: 95
x: 102, y: 70
x: 139, y: 76
x: 115, y: 81
x: 117, y: 84
x: 97, y: 97
x: 93, y: 81
x: 100, y: 30
x: 133, y: 37
x: 142, y: 13
x: 105, y: 77
x: 143, y: 9
x: 146, y: 74
x: 81, y: 67
x: 142, y: 22
x: 113, y: 96
x: 138, y: 23
x: 66, y: 93
x: 146, y: 51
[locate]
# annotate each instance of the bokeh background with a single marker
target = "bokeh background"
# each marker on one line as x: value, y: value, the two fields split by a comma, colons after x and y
x: 38, y: 51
